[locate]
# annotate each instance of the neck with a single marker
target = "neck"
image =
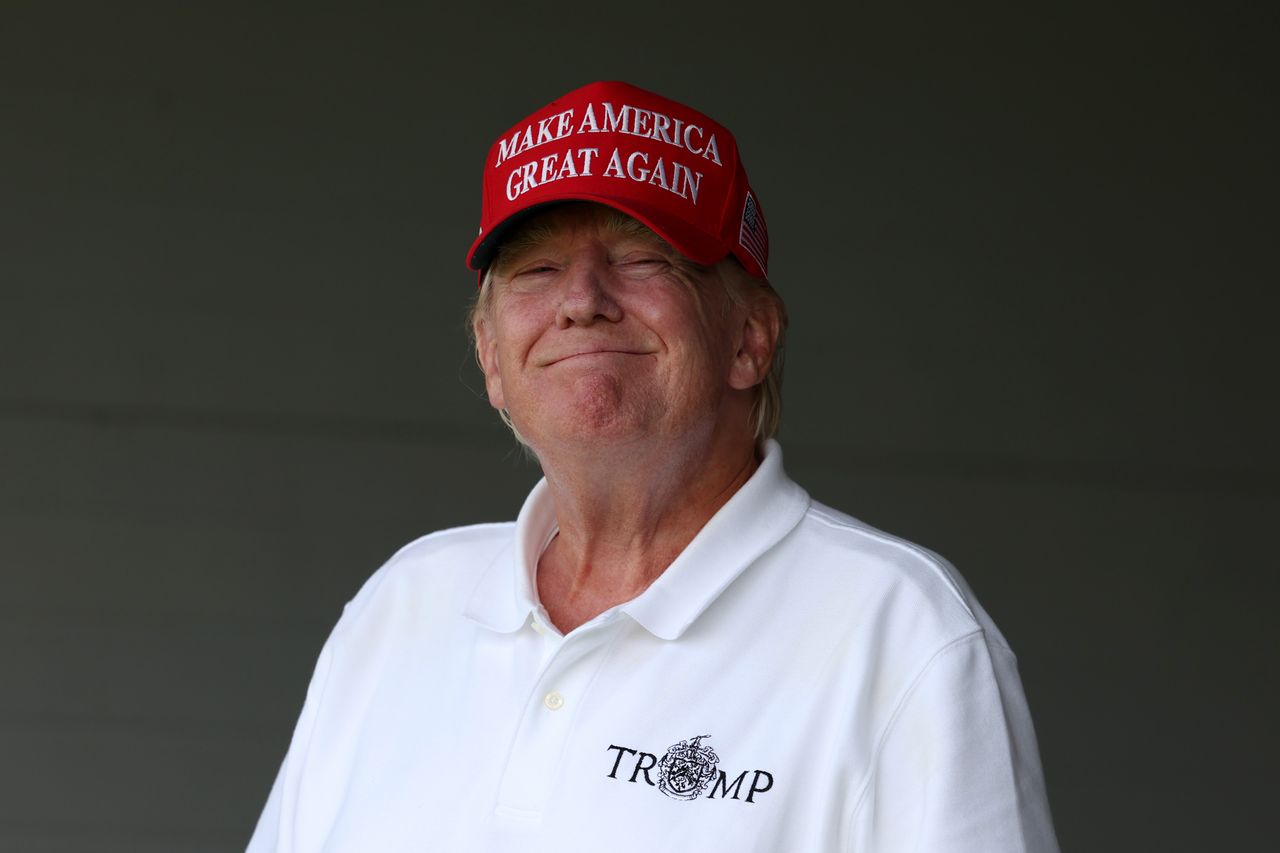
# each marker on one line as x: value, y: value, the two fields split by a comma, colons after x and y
x: 624, y: 518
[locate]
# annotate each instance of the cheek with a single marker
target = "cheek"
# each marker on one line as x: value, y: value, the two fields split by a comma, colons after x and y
x: 709, y: 337
x: 515, y: 331
x: 677, y: 315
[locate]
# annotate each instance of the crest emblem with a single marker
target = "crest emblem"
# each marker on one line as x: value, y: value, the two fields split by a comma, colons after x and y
x: 683, y: 773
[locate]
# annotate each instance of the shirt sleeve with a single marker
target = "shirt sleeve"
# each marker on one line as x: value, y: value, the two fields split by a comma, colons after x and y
x: 275, y: 829
x: 957, y: 769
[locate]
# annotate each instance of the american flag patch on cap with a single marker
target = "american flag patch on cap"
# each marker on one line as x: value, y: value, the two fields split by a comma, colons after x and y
x: 754, y: 234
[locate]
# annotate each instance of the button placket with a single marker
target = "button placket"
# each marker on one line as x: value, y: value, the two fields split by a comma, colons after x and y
x: 547, y: 720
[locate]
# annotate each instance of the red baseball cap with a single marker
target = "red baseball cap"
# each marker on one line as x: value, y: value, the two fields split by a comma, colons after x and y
x: 656, y: 160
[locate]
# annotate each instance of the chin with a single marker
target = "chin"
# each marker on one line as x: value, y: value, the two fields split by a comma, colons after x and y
x: 596, y: 409
x: 597, y: 429
x: 586, y: 428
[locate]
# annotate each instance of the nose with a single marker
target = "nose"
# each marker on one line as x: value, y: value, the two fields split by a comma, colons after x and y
x: 585, y: 296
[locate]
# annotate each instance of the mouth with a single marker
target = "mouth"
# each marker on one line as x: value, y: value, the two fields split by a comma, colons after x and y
x: 600, y: 353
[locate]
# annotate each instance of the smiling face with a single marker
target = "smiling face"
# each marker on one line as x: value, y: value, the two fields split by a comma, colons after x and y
x: 598, y: 332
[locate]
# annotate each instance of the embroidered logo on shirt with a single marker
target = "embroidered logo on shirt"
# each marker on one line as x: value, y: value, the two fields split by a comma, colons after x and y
x: 685, y: 771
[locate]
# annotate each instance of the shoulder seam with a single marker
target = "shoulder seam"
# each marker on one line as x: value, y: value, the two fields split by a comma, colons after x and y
x: 936, y: 563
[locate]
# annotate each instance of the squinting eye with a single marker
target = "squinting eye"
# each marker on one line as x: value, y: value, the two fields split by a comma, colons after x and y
x: 642, y: 262
x: 535, y: 270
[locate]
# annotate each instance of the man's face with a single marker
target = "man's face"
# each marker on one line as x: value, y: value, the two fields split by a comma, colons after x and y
x: 597, y: 331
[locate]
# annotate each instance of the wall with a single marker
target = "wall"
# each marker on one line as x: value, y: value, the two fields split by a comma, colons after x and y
x: 1025, y: 252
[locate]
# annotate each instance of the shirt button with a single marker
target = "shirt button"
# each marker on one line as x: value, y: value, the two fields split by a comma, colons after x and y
x: 553, y: 700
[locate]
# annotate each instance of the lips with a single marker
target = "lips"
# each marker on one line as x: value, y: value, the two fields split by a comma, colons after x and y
x: 591, y: 352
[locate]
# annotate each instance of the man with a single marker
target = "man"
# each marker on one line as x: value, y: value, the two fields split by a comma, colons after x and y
x: 673, y: 647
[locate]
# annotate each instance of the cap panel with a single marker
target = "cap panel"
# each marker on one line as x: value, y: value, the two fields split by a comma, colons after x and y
x: 671, y: 167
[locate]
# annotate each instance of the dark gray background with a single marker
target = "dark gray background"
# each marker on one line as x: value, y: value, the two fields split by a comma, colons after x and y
x: 1025, y: 250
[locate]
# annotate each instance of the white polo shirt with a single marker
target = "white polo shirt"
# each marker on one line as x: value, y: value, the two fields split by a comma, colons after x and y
x: 795, y: 681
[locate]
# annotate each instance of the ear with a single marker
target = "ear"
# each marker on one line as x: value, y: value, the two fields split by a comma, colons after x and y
x: 757, y: 343
x: 487, y: 356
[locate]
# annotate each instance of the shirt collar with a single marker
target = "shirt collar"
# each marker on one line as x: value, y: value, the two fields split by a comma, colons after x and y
x: 507, y: 593
x: 767, y: 507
